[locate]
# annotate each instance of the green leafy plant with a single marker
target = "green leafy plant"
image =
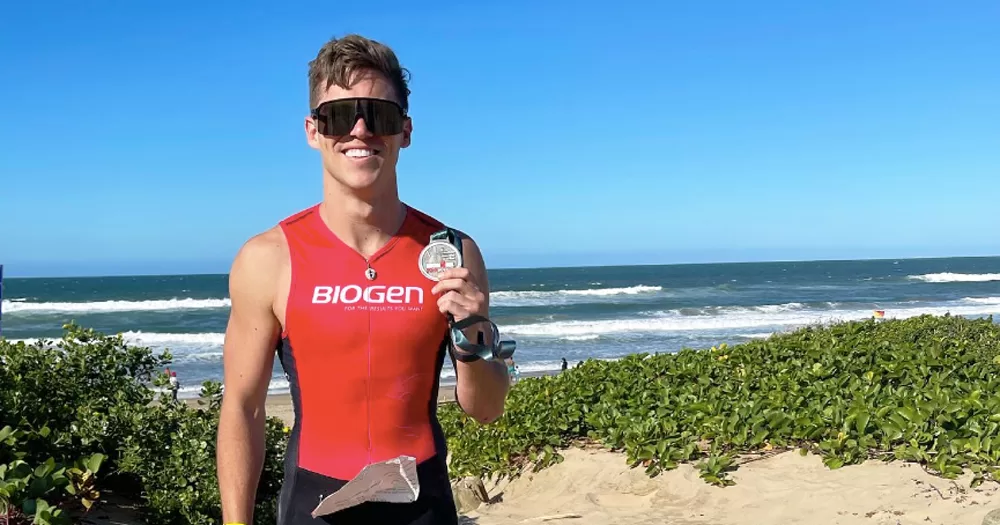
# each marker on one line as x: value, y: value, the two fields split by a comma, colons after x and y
x: 83, y: 403
x: 35, y: 495
x: 917, y: 390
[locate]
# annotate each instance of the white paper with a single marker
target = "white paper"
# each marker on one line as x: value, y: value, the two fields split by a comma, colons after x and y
x: 393, y: 480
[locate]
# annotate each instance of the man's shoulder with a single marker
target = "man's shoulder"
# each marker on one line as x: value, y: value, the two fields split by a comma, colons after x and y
x: 266, y: 245
x: 262, y: 255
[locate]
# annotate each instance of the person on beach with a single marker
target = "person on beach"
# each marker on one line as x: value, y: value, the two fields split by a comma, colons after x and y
x: 175, y: 385
x: 360, y: 332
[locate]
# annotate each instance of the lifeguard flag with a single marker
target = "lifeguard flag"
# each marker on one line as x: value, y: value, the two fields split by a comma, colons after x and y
x: 879, y: 314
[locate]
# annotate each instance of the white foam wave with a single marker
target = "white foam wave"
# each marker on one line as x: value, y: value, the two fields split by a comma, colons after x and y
x: 588, y: 337
x: 156, y: 339
x: 114, y: 306
x: 737, y: 318
x: 757, y: 335
x: 982, y: 300
x: 531, y: 366
x: 537, y: 298
x: 948, y: 277
x: 165, y: 339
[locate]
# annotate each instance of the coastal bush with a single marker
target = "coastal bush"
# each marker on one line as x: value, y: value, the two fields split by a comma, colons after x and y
x: 920, y: 389
x: 173, y: 452
x: 71, y: 406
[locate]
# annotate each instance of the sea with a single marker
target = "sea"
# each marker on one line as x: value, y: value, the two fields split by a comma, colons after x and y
x: 553, y: 313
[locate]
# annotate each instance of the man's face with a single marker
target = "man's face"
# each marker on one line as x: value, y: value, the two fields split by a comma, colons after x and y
x: 360, y: 160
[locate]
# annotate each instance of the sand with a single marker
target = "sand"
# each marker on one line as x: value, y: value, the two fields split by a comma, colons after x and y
x: 595, y: 486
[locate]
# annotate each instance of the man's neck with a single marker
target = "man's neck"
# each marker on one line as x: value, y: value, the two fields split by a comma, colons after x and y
x: 364, y: 224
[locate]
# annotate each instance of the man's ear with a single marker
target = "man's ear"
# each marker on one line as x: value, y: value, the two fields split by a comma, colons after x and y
x: 312, y: 134
x: 407, y: 131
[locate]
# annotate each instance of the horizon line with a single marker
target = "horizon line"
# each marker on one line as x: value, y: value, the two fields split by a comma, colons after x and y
x: 560, y: 267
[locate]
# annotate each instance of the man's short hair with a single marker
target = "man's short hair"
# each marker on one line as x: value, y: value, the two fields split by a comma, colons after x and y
x: 341, y: 59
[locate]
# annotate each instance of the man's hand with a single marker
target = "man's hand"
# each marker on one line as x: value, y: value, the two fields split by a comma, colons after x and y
x: 481, y: 386
x: 462, y: 298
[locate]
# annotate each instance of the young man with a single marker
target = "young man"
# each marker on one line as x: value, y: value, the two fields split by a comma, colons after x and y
x: 360, y: 331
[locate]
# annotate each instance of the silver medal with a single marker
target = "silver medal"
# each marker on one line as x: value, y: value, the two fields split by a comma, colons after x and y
x: 438, y: 256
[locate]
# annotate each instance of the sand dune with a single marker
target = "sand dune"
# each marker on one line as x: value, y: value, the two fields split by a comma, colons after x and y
x: 594, y: 487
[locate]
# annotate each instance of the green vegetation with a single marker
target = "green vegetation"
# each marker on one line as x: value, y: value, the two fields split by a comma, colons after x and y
x: 77, y: 418
x: 921, y: 389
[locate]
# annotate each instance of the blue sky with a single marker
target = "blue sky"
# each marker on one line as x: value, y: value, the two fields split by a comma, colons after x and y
x: 155, y: 137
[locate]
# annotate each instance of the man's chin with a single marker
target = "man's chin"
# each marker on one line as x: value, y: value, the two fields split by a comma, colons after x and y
x: 359, y: 179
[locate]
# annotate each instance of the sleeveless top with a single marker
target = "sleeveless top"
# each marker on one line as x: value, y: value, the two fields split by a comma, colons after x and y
x: 363, y: 346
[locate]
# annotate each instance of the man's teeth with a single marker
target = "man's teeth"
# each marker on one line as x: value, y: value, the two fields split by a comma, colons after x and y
x: 359, y: 153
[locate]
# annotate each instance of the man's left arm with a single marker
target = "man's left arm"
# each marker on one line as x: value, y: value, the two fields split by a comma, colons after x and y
x: 481, y: 386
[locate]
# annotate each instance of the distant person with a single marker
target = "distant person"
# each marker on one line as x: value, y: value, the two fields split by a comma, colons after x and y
x: 360, y: 330
x: 565, y: 365
x: 175, y: 385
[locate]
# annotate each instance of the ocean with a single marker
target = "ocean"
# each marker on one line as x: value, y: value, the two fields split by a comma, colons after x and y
x: 553, y: 313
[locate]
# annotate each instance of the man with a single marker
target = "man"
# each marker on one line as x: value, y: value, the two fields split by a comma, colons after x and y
x: 360, y: 331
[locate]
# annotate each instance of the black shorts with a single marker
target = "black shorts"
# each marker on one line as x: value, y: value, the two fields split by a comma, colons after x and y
x: 435, y: 505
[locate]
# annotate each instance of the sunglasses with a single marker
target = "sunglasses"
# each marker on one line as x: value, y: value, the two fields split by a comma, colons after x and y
x: 338, y: 117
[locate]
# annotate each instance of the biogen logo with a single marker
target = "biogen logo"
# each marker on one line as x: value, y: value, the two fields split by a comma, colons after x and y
x: 377, y: 294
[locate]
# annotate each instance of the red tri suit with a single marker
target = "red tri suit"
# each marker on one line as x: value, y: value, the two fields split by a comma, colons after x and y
x: 363, y: 357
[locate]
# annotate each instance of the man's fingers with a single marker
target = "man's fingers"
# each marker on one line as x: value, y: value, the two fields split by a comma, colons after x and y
x: 458, y: 285
x: 456, y: 273
x: 456, y: 304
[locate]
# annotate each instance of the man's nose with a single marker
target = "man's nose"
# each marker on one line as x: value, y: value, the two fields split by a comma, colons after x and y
x: 360, y: 130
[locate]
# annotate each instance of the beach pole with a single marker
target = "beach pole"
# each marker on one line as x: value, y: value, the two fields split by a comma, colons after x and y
x: 1, y: 300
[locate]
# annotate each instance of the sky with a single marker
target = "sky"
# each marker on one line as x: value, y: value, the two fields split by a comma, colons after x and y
x: 156, y: 137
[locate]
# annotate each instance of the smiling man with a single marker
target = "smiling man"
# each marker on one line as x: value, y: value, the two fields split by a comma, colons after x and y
x: 361, y: 331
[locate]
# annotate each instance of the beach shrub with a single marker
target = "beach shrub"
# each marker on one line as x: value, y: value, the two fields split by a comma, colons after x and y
x: 36, y: 493
x: 81, y: 388
x: 173, y: 453
x: 920, y: 389
x: 72, y: 405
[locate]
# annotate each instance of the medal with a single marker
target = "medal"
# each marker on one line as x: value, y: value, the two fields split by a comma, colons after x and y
x: 439, y: 255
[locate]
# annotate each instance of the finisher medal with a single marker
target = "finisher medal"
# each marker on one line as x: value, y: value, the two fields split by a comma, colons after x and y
x: 443, y: 253
x: 438, y: 256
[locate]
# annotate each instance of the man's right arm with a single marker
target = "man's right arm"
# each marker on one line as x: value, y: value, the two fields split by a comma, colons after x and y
x: 248, y: 358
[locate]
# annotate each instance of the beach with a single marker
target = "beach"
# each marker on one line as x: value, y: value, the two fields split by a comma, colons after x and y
x: 607, y: 314
x: 596, y: 487
x: 593, y: 486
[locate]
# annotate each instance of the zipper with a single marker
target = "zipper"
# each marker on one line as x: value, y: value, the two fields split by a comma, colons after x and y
x: 369, y: 383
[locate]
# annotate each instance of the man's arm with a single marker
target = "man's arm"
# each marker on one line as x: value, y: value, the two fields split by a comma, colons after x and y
x: 481, y: 386
x: 248, y: 357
